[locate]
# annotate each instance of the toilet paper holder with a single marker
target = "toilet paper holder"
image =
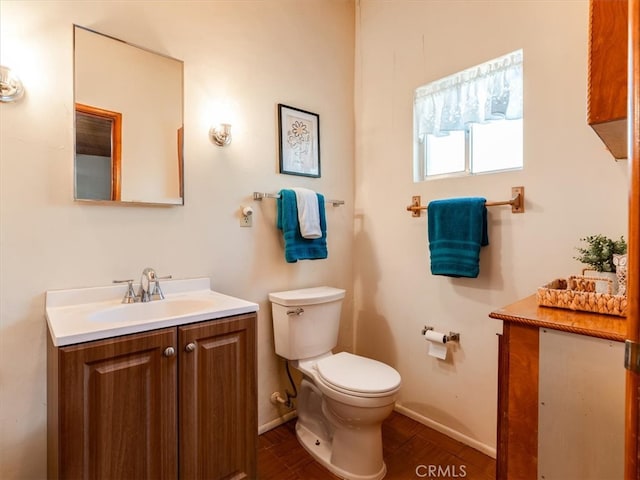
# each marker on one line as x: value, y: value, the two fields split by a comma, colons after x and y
x: 452, y: 337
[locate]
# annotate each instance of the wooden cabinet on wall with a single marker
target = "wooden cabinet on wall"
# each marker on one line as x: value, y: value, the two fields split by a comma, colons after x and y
x: 179, y: 402
x: 607, y: 94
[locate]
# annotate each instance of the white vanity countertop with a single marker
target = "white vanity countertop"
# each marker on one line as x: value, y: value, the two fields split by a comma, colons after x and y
x: 86, y: 314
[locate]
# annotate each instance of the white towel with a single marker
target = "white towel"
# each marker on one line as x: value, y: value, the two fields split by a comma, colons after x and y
x: 308, y: 213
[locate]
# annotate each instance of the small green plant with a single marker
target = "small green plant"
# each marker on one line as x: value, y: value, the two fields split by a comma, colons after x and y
x: 599, y: 252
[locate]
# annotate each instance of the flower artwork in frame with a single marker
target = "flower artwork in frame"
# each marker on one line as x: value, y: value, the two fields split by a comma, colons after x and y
x: 299, y: 133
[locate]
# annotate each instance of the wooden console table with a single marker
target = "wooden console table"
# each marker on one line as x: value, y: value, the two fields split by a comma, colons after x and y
x: 518, y: 371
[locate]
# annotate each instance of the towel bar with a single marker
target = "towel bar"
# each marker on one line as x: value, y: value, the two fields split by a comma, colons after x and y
x: 260, y: 196
x: 516, y: 202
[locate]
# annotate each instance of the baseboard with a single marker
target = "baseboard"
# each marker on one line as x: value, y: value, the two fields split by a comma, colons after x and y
x: 277, y: 422
x: 449, y: 432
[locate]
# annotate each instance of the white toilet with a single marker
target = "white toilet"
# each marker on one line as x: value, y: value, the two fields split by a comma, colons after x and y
x: 343, y: 398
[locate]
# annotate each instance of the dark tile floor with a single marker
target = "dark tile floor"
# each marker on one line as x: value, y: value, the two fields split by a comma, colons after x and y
x: 411, y: 451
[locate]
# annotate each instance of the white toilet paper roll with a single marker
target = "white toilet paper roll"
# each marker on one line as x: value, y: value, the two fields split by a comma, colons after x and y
x: 437, y: 344
x: 434, y: 336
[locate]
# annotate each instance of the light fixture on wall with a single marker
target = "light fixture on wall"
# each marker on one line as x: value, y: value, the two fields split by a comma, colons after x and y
x: 221, y: 134
x: 221, y: 116
x: 11, y: 88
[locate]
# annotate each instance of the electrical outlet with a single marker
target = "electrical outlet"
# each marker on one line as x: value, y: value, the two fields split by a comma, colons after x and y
x: 245, y: 220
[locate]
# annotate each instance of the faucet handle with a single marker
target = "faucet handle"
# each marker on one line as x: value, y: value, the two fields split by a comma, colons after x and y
x: 130, y: 296
x: 157, y: 291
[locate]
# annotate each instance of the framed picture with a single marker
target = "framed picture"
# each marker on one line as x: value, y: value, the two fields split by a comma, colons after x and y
x: 299, y: 133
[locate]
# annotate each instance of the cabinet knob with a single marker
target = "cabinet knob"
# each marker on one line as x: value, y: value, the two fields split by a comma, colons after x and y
x: 169, y: 352
x: 190, y: 347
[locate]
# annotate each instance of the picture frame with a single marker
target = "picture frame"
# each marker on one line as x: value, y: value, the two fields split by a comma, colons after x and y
x: 299, y: 135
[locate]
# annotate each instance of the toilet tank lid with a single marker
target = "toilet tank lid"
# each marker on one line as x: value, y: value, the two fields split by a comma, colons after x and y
x: 307, y: 296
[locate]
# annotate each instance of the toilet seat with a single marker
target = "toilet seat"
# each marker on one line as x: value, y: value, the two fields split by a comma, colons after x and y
x: 357, y: 376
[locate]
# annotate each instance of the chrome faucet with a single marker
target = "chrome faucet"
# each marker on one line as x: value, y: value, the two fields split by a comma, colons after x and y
x: 145, y: 293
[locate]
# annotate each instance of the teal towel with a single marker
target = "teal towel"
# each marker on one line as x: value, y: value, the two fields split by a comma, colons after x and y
x: 457, y: 230
x: 296, y: 247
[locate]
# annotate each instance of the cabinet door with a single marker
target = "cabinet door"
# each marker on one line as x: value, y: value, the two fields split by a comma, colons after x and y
x: 218, y: 400
x: 117, y: 411
x: 607, y: 96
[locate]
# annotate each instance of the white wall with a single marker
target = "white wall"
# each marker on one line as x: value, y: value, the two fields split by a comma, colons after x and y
x: 256, y: 54
x: 573, y: 189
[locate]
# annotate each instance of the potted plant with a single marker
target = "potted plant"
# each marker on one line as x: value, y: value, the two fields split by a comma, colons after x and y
x: 598, y: 254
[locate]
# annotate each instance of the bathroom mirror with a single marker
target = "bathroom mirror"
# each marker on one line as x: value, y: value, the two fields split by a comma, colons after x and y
x: 128, y: 122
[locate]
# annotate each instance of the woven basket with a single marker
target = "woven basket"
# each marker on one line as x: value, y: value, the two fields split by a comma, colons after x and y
x: 578, y: 293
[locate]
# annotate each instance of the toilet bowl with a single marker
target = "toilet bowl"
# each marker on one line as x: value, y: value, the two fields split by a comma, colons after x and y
x: 343, y: 398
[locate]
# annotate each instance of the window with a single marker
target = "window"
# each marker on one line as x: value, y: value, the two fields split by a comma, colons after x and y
x: 470, y: 122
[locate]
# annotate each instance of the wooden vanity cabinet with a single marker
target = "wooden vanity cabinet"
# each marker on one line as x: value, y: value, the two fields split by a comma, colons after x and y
x: 112, y: 408
x: 218, y: 400
x: 178, y: 402
x: 607, y: 90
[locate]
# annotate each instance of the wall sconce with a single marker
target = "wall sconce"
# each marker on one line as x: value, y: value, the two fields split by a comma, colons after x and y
x: 221, y: 134
x: 11, y: 88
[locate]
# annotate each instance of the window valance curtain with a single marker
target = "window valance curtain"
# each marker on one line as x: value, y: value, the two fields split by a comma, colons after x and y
x: 479, y: 94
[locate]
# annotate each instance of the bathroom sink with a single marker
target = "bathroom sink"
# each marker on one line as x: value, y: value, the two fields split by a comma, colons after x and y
x: 95, y: 313
x: 169, y: 307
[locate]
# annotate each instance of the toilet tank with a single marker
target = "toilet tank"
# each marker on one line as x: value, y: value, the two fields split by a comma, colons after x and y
x: 306, y: 321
